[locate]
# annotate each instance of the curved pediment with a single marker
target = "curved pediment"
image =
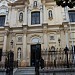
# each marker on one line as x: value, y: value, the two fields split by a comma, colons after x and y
x: 3, y: 7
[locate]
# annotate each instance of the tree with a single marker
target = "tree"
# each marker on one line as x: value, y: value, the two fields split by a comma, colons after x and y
x: 64, y: 3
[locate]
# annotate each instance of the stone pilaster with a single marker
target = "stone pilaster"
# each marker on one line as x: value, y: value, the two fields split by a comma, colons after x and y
x: 67, y: 38
x: 5, y: 38
x: 4, y: 44
x: 25, y: 16
x: 14, y: 44
x: 66, y: 33
x: 5, y: 41
x: 62, y: 37
x: 45, y: 37
x: 24, y: 62
x: 44, y: 12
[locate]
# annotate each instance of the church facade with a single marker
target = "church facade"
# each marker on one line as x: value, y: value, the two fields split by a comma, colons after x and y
x: 24, y: 23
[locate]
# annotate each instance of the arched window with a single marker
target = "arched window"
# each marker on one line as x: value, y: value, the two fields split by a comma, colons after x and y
x: 35, y: 40
x: 50, y: 14
x: 35, y: 17
x: 21, y: 17
x: 19, y: 54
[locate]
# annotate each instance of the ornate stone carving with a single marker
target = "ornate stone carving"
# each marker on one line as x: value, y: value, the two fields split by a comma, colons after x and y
x: 19, y: 38
x: 13, y: 33
x: 6, y: 33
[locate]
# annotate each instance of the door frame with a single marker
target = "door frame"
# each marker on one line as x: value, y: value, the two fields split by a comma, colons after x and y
x: 34, y: 54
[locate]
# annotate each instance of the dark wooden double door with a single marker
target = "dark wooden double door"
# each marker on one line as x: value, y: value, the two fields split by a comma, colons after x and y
x: 35, y: 53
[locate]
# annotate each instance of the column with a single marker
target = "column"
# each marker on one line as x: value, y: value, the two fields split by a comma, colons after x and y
x: 63, y: 41
x: 67, y: 41
x: 24, y: 62
x: 44, y: 12
x: 24, y: 47
x: 45, y: 41
x: 45, y: 36
x: 41, y: 17
x: 5, y: 42
x: 66, y: 35
x: 14, y: 45
x: 4, y: 45
x: 25, y: 16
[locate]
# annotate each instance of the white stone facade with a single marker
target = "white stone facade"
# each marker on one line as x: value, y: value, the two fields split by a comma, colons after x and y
x: 24, y: 34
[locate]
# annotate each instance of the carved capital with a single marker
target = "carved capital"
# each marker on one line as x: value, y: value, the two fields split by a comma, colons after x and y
x: 13, y: 33
x: 45, y: 30
x: 6, y: 33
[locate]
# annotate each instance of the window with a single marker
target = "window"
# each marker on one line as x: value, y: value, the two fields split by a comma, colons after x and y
x: 72, y: 16
x: 35, y: 40
x: 2, y: 20
x: 35, y: 17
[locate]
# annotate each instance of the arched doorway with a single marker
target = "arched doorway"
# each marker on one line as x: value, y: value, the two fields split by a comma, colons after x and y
x: 35, y: 51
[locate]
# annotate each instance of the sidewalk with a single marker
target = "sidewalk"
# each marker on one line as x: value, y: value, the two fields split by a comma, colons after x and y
x: 3, y: 71
x: 58, y: 71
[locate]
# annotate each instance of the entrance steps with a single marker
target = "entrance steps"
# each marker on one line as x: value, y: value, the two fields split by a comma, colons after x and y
x: 25, y: 71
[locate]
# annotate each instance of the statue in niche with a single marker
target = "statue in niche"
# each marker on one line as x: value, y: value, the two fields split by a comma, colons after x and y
x: 35, y: 3
x: 21, y: 17
x: 19, y: 54
x: 50, y: 14
x: 52, y: 48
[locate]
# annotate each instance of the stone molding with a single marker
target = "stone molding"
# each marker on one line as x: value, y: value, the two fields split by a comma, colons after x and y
x: 13, y: 33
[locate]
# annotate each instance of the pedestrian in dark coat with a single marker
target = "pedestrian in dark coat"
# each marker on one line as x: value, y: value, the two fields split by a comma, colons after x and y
x: 42, y: 63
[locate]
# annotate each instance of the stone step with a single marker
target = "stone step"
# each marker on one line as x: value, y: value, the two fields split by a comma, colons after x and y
x: 25, y: 71
x: 26, y: 68
x: 24, y: 74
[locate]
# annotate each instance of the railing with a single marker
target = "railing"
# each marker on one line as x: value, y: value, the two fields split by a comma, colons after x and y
x: 57, y: 59
x: 52, y: 59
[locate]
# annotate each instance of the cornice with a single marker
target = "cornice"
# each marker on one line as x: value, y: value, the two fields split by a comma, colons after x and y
x: 14, y: 4
x: 19, y: 2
